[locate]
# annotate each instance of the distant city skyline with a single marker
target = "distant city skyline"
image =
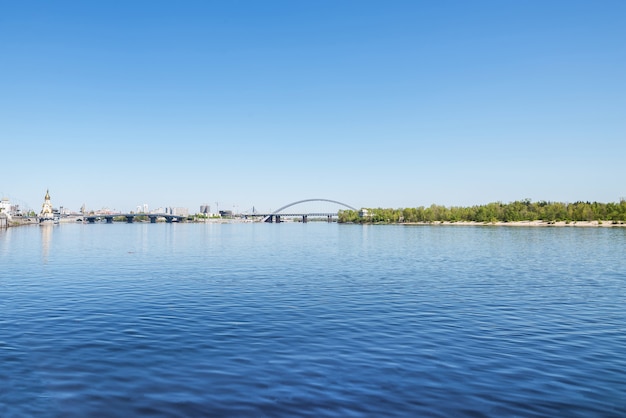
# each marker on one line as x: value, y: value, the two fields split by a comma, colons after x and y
x: 402, y: 104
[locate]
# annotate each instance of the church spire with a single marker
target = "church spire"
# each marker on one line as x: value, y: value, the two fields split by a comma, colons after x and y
x: 46, y: 208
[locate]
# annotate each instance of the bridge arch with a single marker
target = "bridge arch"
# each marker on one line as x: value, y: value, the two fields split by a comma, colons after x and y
x: 312, y: 200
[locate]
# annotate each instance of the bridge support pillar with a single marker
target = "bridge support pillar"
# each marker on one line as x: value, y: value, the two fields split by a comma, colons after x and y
x: 305, y: 219
x: 153, y: 219
x: 109, y: 219
x: 91, y: 220
x: 277, y: 219
x: 168, y: 219
x: 130, y: 219
x: 330, y: 218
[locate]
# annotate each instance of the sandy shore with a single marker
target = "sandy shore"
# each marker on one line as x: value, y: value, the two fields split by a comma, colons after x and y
x: 579, y: 224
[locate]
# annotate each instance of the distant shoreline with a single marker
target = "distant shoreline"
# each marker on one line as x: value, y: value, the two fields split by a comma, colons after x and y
x: 577, y: 224
x: 545, y: 224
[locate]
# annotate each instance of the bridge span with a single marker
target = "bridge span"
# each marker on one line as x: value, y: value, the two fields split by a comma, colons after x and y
x: 276, y: 215
x: 130, y: 217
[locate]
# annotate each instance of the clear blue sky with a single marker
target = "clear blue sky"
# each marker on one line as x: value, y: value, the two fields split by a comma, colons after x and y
x: 261, y: 103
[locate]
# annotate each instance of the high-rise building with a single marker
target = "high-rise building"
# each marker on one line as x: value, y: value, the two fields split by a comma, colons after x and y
x: 179, y: 211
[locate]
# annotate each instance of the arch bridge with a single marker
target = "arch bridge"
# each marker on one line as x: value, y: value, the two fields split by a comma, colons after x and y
x: 275, y: 216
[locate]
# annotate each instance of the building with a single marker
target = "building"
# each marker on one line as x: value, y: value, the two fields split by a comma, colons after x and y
x: 46, y: 209
x: 5, y: 205
x: 181, y: 211
x: 205, y: 209
x: 48, y: 213
x: 177, y: 211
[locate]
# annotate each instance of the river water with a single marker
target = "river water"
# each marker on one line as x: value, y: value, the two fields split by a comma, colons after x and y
x: 316, y: 319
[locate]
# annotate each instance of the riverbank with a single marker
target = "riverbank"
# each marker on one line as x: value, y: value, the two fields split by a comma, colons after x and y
x: 12, y: 221
x: 579, y: 224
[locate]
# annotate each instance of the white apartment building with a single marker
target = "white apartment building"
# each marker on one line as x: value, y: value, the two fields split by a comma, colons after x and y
x: 5, y: 205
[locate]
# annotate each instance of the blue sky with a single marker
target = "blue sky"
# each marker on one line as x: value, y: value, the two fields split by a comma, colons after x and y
x: 248, y: 103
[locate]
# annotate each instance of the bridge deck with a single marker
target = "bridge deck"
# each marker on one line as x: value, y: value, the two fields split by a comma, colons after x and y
x: 295, y: 214
x: 131, y: 216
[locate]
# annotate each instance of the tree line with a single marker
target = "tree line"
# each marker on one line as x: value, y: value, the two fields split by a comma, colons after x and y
x: 522, y: 210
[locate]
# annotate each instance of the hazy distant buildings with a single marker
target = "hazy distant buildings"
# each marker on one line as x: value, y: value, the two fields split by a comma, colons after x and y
x: 104, y: 211
x: 177, y: 211
x: 205, y: 209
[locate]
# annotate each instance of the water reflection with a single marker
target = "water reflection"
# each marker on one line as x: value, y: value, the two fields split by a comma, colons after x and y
x: 46, y: 236
x: 5, y: 234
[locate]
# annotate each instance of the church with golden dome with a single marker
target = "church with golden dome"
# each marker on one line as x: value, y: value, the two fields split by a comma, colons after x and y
x: 47, y: 214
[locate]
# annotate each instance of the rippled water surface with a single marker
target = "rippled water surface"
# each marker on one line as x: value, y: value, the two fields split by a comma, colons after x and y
x: 319, y: 320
